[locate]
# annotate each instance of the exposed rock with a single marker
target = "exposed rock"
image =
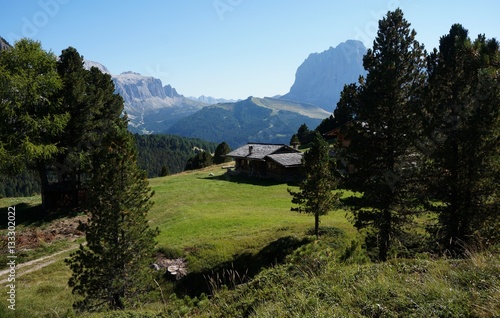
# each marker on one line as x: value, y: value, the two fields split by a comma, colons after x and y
x: 175, y: 267
x: 150, y: 106
x: 132, y: 86
x: 171, y: 92
x: 322, y: 76
x: 4, y: 44
x: 89, y: 64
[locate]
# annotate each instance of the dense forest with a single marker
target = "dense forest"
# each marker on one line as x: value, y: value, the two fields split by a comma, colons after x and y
x: 22, y: 185
x: 168, y: 152
x: 155, y: 153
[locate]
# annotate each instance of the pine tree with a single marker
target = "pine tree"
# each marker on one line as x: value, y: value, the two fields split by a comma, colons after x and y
x: 221, y: 150
x: 201, y: 160
x: 294, y: 141
x: 385, y: 131
x: 164, y: 171
x: 304, y: 134
x: 88, y: 96
x: 462, y: 120
x: 343, y: 114
x: 113, y: 268
x: 315, y: 195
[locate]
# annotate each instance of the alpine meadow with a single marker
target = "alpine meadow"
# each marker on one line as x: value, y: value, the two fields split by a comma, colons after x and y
x: 122, y: 198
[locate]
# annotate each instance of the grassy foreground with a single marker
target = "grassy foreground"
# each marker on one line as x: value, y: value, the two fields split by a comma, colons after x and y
x: 223, y: 226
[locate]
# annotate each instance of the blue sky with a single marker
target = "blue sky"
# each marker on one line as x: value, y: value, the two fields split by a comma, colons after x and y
x: 226, y: 48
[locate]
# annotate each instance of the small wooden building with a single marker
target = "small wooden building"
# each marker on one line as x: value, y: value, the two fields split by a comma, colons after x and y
x: 339, y: 134
x: 272, y: 161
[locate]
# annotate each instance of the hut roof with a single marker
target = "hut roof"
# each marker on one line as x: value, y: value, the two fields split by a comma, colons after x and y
x: 258, y: 151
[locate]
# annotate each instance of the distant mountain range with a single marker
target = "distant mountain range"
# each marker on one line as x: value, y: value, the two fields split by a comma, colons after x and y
x: 212, y: 100
x: 155, y: 108
x: 251, y: 120
x: 150, y: 106
x: 322, y: 76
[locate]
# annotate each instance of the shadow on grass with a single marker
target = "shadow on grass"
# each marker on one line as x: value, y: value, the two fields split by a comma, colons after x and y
x: 239, y: 270
x: 29, y: 215
x: 241, y: 179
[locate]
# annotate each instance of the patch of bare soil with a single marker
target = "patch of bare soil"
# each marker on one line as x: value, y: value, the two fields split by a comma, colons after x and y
x: 32, y: 237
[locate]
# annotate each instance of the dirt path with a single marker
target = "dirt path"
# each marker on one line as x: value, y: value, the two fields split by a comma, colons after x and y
x: 34, y: 265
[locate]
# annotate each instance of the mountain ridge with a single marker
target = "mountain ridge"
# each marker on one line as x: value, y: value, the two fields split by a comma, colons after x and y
x: 322, y: 76
x: 153, y: 107
x: 150, y: 106
x: 251, y: 120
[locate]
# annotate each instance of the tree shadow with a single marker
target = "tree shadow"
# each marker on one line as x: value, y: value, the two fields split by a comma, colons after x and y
x: 29, y: 215
x: 242, y: 179
x: 239, y: 270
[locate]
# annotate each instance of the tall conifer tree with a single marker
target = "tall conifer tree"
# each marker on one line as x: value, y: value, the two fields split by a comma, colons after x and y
x: 385, y: 108
x: 221, y: 150
x: 113, y: 268
x: 88, y: 97
x: 462, y: 129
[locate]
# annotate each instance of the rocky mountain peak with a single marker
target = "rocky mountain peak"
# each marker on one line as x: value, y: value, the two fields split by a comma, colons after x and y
x: 134, y: 86
x: 87, y: 64
x: 322, y: 76
x: 170, y: 91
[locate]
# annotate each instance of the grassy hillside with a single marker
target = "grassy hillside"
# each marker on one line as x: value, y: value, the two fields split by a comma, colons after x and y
x: 311, y: 286
x: 231, y: 231
x: 210, y: 221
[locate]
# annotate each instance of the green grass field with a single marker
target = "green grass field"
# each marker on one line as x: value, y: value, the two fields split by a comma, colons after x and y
x: 224, y: 226
x: 214, y: 218
x: 207, y: 219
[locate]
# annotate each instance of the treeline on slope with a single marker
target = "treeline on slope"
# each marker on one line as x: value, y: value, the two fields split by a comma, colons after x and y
x: 162, y: 155
x: 22, y: 185
x: 158, y: 155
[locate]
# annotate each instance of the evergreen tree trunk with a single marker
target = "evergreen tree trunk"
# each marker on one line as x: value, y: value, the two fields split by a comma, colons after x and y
x: 44, y: 183
x: 316, y: 225
x: 385, y: 239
